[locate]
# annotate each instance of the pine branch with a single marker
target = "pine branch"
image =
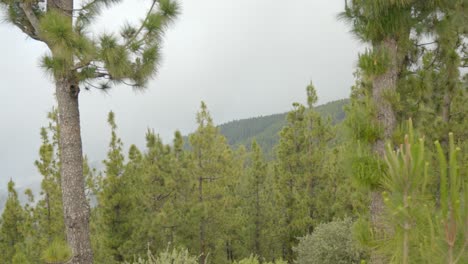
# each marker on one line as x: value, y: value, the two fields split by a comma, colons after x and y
x: 80, y: 65
x: 32, y: 19
x: 91, y: 8
x: 425, y: 44
x: 27, y: 30
x: 142, y: 24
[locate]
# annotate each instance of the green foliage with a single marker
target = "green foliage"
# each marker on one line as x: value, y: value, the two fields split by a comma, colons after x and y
x: 254, y: 260
x: 211, y: 167
x: 224, y: 205
x: 405, y: 197
x: 303, y: 174
x: 366, y: 168
x: 256, y: 206
x: 48, y: 212
x: 43, y: 219
x: 425, y: 62
x: 374, y: 62
x: 300, y: 171
x: 361, y: 116
x: 265, y: 130
x: 335, y: 194
x: 57, y: 252
x: 57, y: 31
x: 450, y: 223
x: 311, y: 95
x: 11, y: 231
x: 132, y: 57
x: 374, y: 21
x: 113, y: 200
x: 20, y: 257
x: 175, y: 256
x: 421, y: 225
x: 330, y: 243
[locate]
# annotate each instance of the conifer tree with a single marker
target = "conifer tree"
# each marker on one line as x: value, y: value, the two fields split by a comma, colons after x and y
x: 179, y: 228
x: 292, y: 181
x: 451, y: 221
x: 232, y: 216
x: 11, y: 229
x: 130, y: 203
x: 300, y: 161
x: 427, y: 226
x: 114, y: 206
x: 440, y: 96
x: 48, y: 212
x: 211, y: 160
x: 386, y: 26
x: 406, y: 198
x: 257, y: 196
x: 77, y: 60
x: 156, y: 225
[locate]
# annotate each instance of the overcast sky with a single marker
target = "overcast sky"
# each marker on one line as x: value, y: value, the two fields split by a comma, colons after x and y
x: 244, y: 58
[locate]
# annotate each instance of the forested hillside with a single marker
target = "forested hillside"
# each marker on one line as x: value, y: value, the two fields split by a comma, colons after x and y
x: 265, y: 129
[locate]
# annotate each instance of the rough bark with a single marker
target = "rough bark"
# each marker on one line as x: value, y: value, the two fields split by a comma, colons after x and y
x: 75, y: 204
x: 382, y: 86
x: 446, y: 107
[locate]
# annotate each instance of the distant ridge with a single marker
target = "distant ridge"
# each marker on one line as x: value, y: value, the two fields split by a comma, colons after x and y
x: 265, y: 129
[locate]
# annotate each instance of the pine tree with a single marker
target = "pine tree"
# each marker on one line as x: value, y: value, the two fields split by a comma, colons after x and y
x: 386, y: 25
x: 257, y: 195
x: 48, y: 212
x: 450, y: 29
x: 178, y: 228
x: 440, y: 96
x: 113, y: 203
x: 76, y: 59
x: 211, y: 161
x: 11, y: 229
x: 451, y: 222
x: 157, y: 193
x: 427, y: 226
x: 406, y: 197
x: 300, y: 161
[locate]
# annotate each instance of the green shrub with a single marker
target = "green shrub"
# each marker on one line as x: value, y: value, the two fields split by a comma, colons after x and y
x: 176, y: 256
x: 57, y: 252
x: 366, y: 168
x: 330, y: 243
x: 374, y: 62
x: 254, y: 260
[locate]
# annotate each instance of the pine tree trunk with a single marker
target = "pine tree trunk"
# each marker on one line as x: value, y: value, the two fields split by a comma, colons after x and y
x: 446, y: 107
x: 447, y: 101
x: 202, y: 259
x: 75, y: 205
x: 382, y: 86
x: 257, y: 220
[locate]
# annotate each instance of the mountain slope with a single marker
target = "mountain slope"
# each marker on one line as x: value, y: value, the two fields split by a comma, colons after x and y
x: 265, y: 129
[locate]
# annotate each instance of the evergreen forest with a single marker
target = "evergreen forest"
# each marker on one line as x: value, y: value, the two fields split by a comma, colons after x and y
x: 380, y: 177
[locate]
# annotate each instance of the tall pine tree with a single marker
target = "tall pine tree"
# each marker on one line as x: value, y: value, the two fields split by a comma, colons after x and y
x: 77, y: 60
